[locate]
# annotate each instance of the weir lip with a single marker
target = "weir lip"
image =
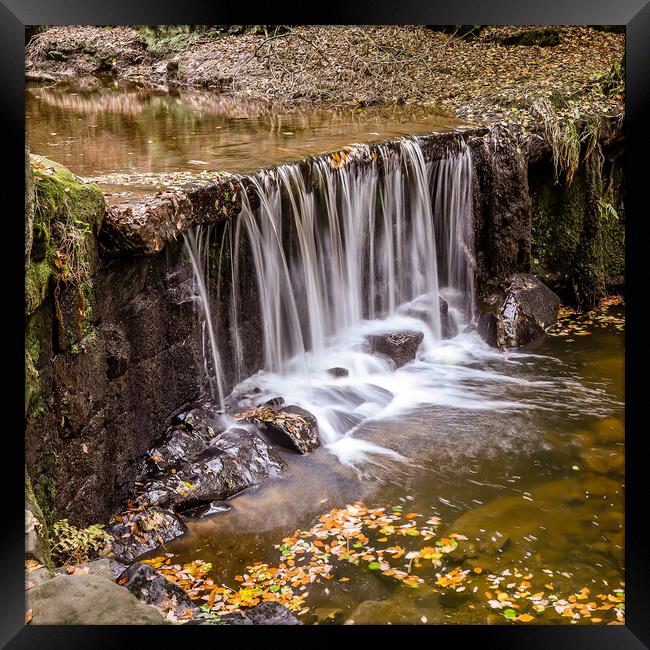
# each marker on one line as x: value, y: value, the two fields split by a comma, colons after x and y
x: 144, y: 227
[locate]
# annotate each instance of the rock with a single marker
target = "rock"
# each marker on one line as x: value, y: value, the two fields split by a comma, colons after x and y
x: 208, y: 509
x: 137, y: 532
x: 421, y: 309
x: 529, y: 309
x: 180, y: 446
x: 338, y: 372
x: 400, y: 346
x: 374, y: 612
x: 269, y: 613
x: 37, y: 541
x: 274, y: 401
x: 101, y: 567
x: 149, y: 586
x: 289, y: 426
x: 87, y: 600
x: 487, y: 319
x: 196, y: 471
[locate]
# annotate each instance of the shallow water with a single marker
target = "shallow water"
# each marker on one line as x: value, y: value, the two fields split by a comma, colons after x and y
x: 524, y: 449
x: 134, y: 140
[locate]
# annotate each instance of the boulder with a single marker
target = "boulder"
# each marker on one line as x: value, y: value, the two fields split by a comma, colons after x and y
x: 101, y: 567
x: 269, y: 613
x: 149, y: 586
x: 529, y: 309
x: 400, y: 346
x: 487, y: 319
x: 421, y: 309
x: 190, y: 470
x: 137, y: 532
x: 87, y: 600
x: 290, y: 426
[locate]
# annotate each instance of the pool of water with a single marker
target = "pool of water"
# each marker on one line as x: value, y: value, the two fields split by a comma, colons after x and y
x: 133, y: 141
x: 522, y: 453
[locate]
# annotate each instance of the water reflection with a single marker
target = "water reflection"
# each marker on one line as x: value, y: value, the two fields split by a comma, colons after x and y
x: 102, y: 130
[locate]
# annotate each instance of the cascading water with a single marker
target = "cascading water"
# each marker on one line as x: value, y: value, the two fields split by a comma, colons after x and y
x: 196, y: 242
x: 341, y: 251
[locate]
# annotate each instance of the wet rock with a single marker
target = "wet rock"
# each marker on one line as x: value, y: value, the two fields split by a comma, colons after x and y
x: 338, y: 372
x: 274, y: 401
x: 487, y: 319
x: 208, y: 509
x: 181, y: 445
x: 149, y: 586
x: 269, y: 613
x: 204, y: 418
x: 374, y: 612
x: 212, y: 470
x: 350, y: 397
x: 136, y: 532
x: 87, y: 600
x: 400, y: 346
x: 422, y: 309
x: 289, y: 426
x: 529, y: 309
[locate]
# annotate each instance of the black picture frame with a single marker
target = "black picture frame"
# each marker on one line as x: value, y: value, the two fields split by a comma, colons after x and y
x: 634, y: 14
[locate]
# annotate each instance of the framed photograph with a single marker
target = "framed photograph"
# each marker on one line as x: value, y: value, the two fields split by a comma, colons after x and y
x: 325, y: 324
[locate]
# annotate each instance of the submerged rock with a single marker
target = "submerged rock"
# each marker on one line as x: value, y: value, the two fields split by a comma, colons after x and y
x: 149, y: 586
x: 338, y: 372
x: 209, y: 470
x: 269, y: 613
x: 137, y: 532
x: 529, y: 309
x: 87, y: 600
x: 290, y: 426
x: 400, y: 346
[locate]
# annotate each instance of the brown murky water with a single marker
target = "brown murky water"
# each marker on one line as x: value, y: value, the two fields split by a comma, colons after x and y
x: 133, y: 140
x: 538, y: 493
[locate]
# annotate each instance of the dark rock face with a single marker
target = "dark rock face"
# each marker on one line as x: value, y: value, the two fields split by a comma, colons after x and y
x: 270, y: 613
x: 338, y: 372
x: 137, y: 532
x: 87, y: 600
x: 289, y: 426
x: 149, y: 586
x: 192, y: 469
x: 528, y: 310
x: 502, y: 208
x: 487, y: 319
x: 401, y: 346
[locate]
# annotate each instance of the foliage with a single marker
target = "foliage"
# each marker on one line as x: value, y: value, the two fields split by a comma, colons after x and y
x: 71, y: 545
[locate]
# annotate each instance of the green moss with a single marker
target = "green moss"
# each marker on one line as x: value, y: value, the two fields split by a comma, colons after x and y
x: 37, y: 281
x: 578, y: 233
x: 68, y: 214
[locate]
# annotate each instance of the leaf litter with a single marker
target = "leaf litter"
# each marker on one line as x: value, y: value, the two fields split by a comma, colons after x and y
x: 387, y: 541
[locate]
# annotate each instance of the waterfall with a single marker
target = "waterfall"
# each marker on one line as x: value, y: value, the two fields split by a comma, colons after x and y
x: 358, y: 243
x: 337, y: 249
x: 196, y: 242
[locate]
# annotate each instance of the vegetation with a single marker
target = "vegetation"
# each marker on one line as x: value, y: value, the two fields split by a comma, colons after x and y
x: 72, y: 545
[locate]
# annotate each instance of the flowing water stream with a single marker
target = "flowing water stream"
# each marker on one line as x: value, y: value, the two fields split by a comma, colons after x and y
x: 523, y: 449
x: 524, y: 446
